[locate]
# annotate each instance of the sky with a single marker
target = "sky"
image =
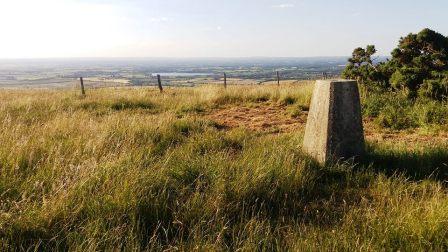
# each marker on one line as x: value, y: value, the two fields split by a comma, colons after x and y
x: 210, y: 28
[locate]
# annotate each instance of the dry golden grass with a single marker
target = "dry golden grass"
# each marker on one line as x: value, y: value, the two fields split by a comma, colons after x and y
x: 133, y: 169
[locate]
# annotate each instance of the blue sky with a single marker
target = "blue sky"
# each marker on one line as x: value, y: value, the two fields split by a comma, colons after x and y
x: 210, y: 28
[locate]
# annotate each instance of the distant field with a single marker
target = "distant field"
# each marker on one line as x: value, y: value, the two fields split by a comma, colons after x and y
x: 63, y: 83
x: 101, y: 82
x: 65, y: 73
x: 208, y: 168
x: 39, y: 83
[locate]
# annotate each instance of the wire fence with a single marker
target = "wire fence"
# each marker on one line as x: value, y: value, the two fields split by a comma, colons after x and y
x: 168, y: 80
x: 190, y: 80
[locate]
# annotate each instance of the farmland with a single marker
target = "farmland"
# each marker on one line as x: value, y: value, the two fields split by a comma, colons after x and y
x: 65, y: 73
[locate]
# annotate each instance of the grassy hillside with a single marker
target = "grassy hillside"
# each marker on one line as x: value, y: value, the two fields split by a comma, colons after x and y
x: 213, y: 169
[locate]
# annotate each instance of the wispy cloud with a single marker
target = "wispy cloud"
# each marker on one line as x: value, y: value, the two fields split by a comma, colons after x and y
x: 284, y: 6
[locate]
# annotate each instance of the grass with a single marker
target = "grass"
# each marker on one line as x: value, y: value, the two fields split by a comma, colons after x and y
x: 397, y: 112
x: 132, y: 169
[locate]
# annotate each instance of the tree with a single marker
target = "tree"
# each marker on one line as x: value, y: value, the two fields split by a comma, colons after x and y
x: 427, y: 50
x: 362, y: 68
x: 436, y: 89
x: 420, y: 60
x: 417, y: 58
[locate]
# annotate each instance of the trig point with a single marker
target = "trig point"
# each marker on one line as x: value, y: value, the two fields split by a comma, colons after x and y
x: 334, y: 128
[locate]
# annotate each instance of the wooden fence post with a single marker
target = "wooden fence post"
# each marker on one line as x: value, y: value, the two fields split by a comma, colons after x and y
x: 159, y: 82
x: 225, y: 80
x: 278, y: 78
x: 83, y: 92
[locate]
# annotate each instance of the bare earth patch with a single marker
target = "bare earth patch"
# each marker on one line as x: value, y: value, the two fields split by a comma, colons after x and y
x: 274, y: 118
x: 264, y: 117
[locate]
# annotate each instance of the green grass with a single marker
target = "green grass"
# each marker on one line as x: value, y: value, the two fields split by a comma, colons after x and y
x: 132, y: 169
x: 397, y: 112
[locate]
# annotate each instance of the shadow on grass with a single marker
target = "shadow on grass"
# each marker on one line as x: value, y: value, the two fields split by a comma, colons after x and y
x: 426, y: 163
x: 321, y: 198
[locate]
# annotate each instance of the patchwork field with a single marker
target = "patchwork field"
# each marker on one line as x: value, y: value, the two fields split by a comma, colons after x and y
x: 209, y: 168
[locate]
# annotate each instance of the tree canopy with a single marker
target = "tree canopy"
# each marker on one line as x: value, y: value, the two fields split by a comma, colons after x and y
x: 419, y: 65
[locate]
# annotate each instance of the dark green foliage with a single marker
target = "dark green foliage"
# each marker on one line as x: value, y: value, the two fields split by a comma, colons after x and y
x: 427, y: 50
x: 419, y: 57
x: 362, y: 68
x: 406, y: 78
x: 396, y: 118
x: 436, y: 89
x: 419, y: 62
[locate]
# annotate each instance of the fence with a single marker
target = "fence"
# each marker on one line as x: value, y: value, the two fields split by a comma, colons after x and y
x: 223, y: 79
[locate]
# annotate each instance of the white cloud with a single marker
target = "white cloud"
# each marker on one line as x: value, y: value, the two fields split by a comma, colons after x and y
x: 284, y: 5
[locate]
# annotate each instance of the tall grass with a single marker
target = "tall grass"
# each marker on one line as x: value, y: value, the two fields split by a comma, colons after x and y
x: 132, y: 169
x: 397, y: 112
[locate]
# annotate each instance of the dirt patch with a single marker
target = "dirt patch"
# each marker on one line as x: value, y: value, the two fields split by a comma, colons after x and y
x: 273, y: 118
x: 264, y: 117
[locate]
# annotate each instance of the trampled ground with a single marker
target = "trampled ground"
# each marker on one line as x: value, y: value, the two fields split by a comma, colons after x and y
x: 259, y: 117
x: 275, y: 118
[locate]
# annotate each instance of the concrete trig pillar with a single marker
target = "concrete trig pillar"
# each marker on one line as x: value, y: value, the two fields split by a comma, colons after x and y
x: 334, y: 128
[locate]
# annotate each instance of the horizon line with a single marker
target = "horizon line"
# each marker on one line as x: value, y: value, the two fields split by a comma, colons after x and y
x: 181, y: 57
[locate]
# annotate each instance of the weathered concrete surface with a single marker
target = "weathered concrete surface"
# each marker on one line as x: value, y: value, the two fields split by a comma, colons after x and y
x: 334, y: 128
